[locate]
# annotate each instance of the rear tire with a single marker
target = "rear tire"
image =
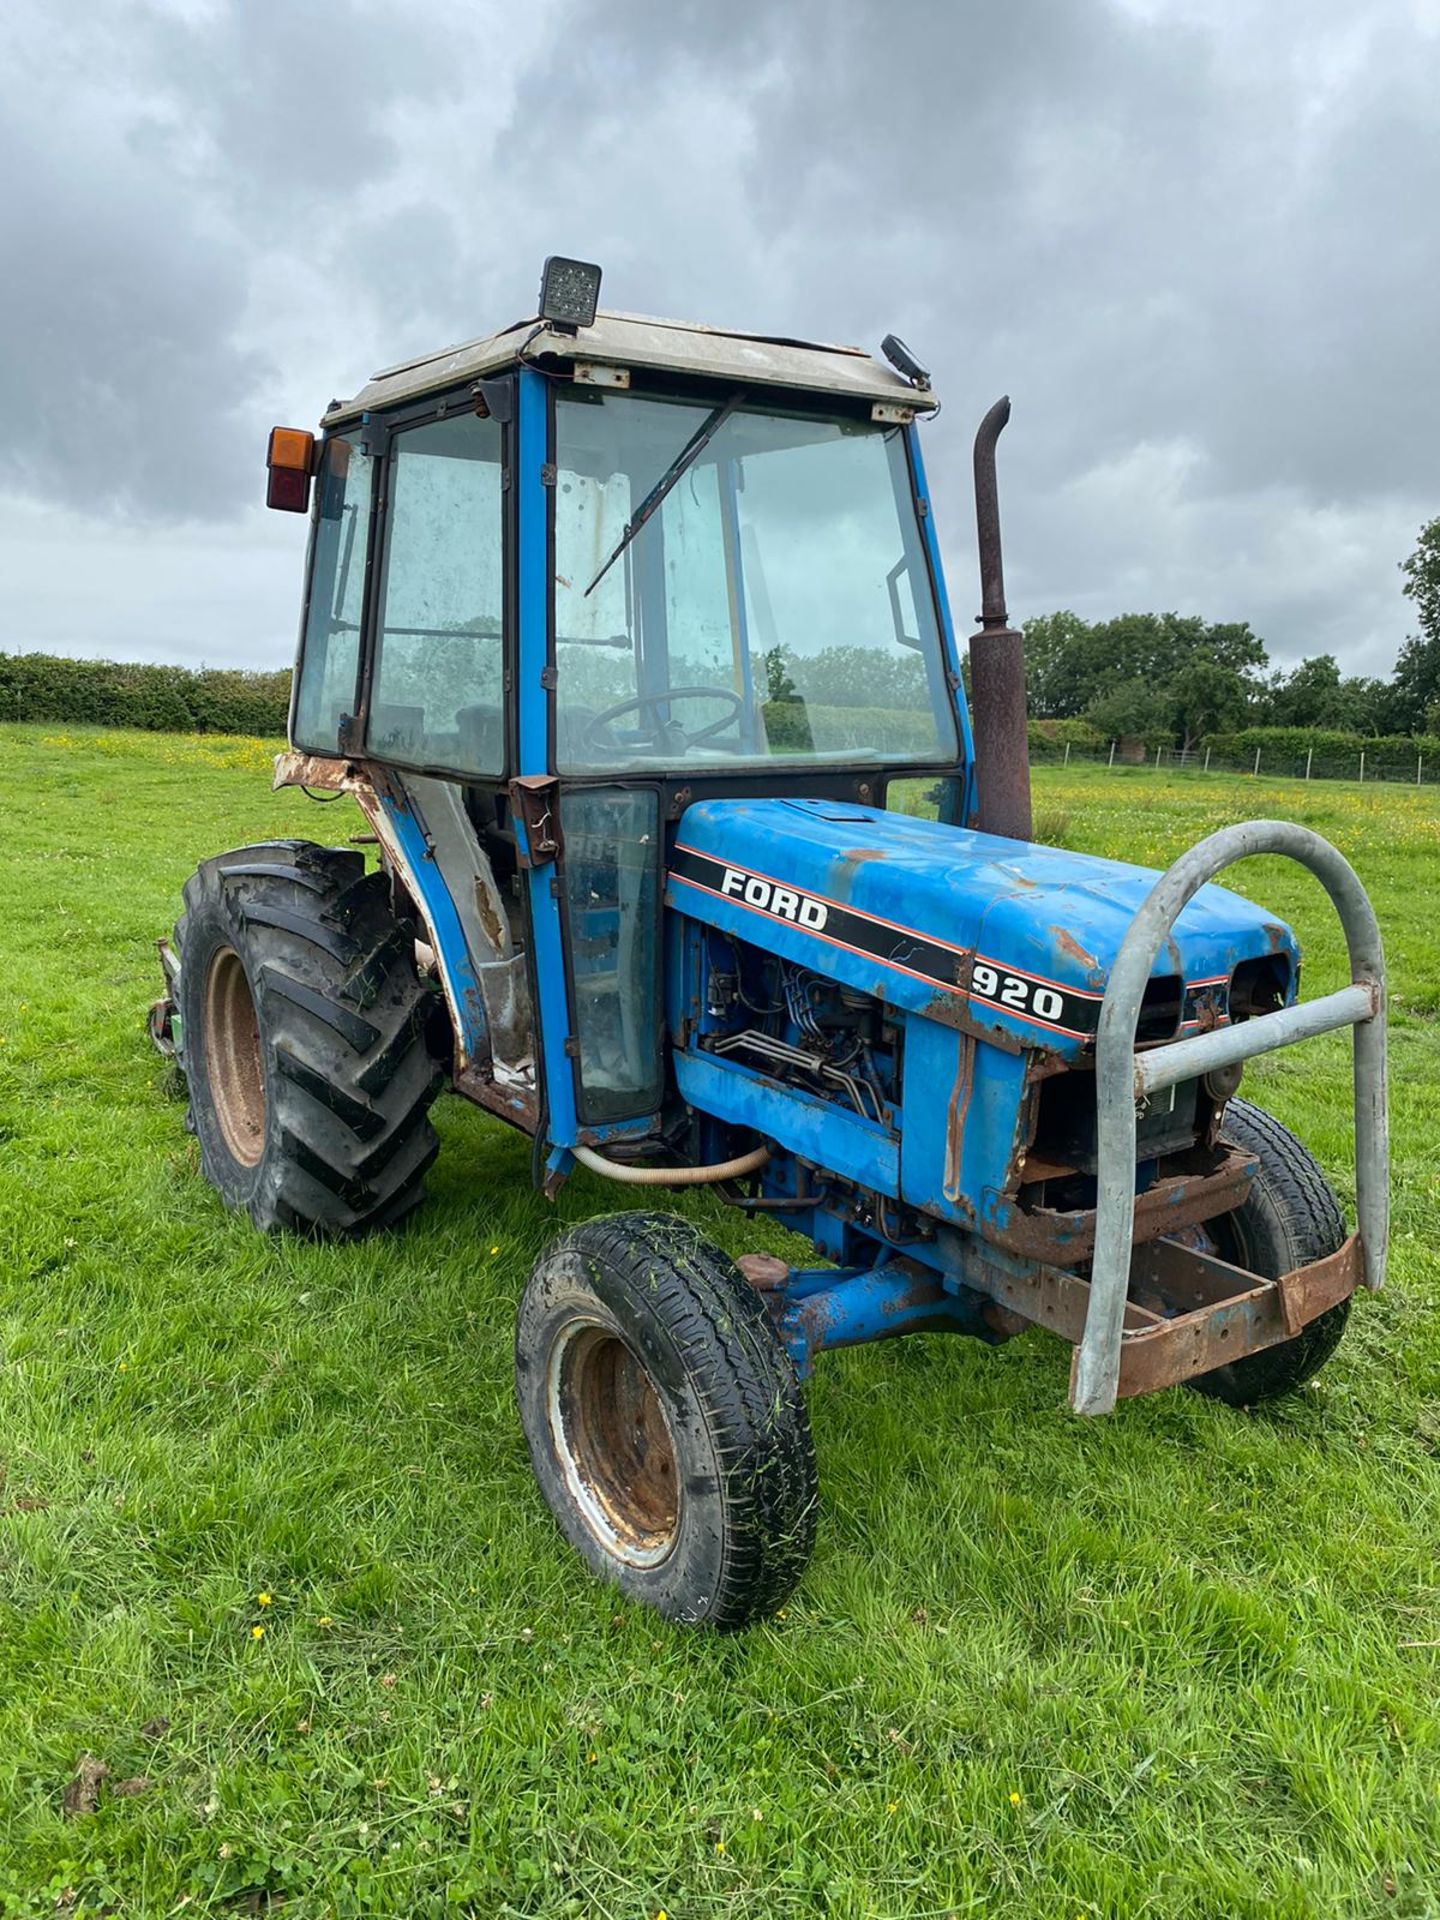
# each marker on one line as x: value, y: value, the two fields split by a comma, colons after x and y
x: 665, y: 1422
x: 303, y: 1025
x: 1290, y: 1218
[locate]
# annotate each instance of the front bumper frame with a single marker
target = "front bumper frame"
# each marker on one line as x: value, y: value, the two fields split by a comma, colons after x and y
x: 1101, y: 1372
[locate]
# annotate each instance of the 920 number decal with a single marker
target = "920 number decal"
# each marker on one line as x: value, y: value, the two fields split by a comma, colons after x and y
x: 1014, y: 991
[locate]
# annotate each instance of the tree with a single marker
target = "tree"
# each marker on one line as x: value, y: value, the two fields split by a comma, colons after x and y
x: 1417, y: 671
x: 1422, y: 579
x: 1157, y: 647
x: 1206, y: 670
x: 1372, y: 706
x: 847, y: 676
x: 1056, y: 665
x: 1231, y: 644
x: 1133, y: 708
x: 778, y: 683
x: 1310, y: 696
x: 1206, y: 696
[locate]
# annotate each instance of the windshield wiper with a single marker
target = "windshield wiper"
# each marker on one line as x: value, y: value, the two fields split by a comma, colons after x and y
x: 683, y: 460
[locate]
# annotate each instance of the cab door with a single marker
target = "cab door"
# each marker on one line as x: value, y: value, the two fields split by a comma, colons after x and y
x: 405, y: 664
x: 592, y: 859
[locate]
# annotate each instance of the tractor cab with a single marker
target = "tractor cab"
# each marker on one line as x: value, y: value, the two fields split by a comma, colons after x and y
x: 568, y: 580
x: 630, y: 640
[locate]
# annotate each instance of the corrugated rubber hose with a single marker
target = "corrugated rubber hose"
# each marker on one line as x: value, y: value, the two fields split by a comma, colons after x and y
x: 672, y: 1176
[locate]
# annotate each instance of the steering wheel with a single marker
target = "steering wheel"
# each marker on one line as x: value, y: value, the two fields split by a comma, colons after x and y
x: 650, y: 702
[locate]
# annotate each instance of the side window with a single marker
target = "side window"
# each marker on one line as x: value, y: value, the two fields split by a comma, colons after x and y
x: 436, y: 694
x: 612, y: 853
x: 330, y: 645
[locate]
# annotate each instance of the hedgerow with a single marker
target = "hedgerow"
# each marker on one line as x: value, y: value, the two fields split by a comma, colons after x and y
x: 159, y: 699
x: 1279, y: 743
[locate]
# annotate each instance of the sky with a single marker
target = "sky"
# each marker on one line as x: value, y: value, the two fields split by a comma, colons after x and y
x: 1192, y: 239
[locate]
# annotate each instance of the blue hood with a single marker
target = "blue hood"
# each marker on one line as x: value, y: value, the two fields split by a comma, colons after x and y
x: 963, y: 926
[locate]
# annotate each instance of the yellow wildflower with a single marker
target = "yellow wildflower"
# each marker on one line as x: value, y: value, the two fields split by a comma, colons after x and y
x: 1014, y: 1799
x: 257, y: 1633
x: 262, y: 1599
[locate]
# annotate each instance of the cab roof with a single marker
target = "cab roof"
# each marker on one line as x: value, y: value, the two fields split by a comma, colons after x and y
x: 626, y: 340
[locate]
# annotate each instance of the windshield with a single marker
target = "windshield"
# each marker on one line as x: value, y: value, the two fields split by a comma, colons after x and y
x: 773, y: 603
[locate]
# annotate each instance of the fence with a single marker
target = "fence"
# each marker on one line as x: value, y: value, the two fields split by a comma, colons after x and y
x: 1310, y: 765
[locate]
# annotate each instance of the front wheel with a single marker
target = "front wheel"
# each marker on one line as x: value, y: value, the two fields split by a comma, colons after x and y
x: 664, y: 1420
x: 1290, y: 1217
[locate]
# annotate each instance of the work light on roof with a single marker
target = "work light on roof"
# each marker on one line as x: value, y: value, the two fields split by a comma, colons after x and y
x: 569, y: 291
x: 904, y: 361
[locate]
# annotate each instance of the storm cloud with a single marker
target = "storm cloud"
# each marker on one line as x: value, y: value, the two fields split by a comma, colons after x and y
x: 1193, y: 243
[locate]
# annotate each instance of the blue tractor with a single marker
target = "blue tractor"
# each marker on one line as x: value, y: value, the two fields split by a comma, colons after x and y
x: 630, y: 641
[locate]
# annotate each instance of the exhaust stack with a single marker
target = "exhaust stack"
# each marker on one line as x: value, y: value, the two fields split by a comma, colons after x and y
x: 997, y: 664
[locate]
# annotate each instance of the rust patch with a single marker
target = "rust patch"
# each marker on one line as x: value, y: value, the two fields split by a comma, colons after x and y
x: 325, y: 771
x: 1176, y: 1200
x: 1307, y: 1292
x: 922, y: 1305
x: 1042, y: 1296
x: 1044, y: 1065
x: 532, y: 795
x: 490, y: 922
x: 1067, y: 943
x: 1190, y: 1312
x: 511, y: 1102
x: 955, y: 1010
x: 766, y: 1272
x: 1218, y: 1313
x: 1210, y: 1013
x: 959, y: 1108
x: 922, y: 1289
x: 1027, y: 1120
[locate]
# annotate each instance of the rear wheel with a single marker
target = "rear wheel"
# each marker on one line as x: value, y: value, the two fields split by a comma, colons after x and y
x: 1290, y: 1218
x: 303, y: 1039
x: 665, y: 1421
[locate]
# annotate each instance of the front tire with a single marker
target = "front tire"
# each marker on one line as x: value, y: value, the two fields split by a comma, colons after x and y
x: 303, y: 1039
x: 665, y: 1422
x: 1290, y: 1218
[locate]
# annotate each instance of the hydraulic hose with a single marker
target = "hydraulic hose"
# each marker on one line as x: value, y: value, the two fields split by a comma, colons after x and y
x: 672, y: 1176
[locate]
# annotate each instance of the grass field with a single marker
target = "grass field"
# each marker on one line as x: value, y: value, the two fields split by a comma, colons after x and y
x: 269, y: 1540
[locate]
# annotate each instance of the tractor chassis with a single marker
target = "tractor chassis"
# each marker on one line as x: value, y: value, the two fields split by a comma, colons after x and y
x: 1155, y: 1307
x: 1143, y: 1300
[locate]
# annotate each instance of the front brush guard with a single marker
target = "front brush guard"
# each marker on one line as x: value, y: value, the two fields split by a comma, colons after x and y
x: 1117, y: 1343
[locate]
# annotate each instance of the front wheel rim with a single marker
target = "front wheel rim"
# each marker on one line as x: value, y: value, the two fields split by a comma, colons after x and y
x: 611, y: 1435
x: 234, y: 1060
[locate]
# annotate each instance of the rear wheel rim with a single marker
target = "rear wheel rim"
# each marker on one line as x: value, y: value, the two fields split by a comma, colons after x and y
x: 612, y: 1439
x: 233, y: 1057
